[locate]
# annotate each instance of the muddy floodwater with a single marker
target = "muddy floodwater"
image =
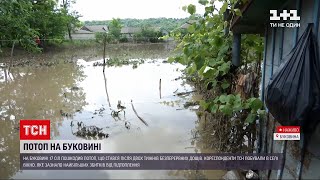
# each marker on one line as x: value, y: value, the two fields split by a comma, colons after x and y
x: 74, y: 90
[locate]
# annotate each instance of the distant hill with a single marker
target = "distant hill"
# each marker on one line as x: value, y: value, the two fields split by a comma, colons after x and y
x: 168, y: 24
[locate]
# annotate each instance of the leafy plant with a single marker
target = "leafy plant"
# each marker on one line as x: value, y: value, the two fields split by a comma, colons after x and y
x: 206, y: 52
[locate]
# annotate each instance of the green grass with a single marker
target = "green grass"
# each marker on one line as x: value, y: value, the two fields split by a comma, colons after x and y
x: 76, y: 44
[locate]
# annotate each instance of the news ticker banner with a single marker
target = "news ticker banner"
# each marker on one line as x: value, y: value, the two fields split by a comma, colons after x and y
x: 39, y: 152
x: 88, y: 155
x: 148, y: 161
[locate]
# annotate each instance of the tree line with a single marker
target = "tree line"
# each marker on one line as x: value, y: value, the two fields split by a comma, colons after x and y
x: 167, y: 24
x: 23, y: 22
x: 146, y: 33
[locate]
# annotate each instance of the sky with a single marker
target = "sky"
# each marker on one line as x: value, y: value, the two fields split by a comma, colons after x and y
x: 139, y: 9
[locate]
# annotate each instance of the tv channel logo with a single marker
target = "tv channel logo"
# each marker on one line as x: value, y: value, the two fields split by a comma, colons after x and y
x: 34, y: 129
x: 291, y: 15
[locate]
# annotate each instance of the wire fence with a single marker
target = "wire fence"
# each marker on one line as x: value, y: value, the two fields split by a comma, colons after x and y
x: 169, y: 45
x: 80, y: 39
x: 84, y: 42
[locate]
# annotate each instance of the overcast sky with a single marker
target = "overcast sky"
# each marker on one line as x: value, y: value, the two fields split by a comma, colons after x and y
x: 140, y: 9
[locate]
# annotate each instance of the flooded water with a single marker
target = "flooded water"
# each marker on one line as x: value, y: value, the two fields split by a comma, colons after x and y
x: 85, y: 94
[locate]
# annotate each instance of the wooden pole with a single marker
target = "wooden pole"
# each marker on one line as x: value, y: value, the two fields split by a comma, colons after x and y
x: 104, y: 51
x: 12, y: 48
x: 11, y: 55
x: 160, y: 88
x: 106, y: 87
x: 5, y: 75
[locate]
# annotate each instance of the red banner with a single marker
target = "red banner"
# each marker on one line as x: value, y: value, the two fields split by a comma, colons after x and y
x: 288, y: 129
x: 34, y: 129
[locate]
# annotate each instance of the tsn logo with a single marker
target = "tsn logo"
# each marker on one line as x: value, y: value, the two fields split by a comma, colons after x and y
x: 34, y: 129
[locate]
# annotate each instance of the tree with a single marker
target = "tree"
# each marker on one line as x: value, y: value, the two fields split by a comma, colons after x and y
x: 72, y: 17
x: 15, y: 26
x: 51, y: 22
x: 24, y: 20
x: 115, y: 28
x: 48, y: 21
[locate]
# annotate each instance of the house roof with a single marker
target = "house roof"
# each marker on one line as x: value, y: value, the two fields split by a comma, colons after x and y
x: 255, y: 15
x: 101, y: 28
x: 80, y: 31
x: 187, y: 24
x: 95, y: 28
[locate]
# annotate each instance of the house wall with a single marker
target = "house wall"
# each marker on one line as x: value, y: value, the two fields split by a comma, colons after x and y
x: 311, y: 169
x: 83, y: 36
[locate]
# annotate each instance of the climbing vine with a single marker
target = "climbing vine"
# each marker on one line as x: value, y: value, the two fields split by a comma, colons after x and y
x: 205, y: 50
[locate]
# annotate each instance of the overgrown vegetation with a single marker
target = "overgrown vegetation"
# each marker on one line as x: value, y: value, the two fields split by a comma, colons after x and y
x: 230, y: 94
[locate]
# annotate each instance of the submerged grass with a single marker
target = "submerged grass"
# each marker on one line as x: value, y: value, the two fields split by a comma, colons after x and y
x: 119, y: 62
x: 117, y: 54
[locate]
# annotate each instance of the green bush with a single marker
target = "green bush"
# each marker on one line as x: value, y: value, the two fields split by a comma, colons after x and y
x: 123, y: 39
x: 138, y: 37
x: 99, y: 36
x: 147, y: 34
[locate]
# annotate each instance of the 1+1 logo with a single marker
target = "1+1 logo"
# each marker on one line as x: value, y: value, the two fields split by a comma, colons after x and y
x: 292, y: 15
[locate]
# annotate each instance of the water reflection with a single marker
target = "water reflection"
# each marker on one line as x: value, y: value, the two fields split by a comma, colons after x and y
x: 34, y: 93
